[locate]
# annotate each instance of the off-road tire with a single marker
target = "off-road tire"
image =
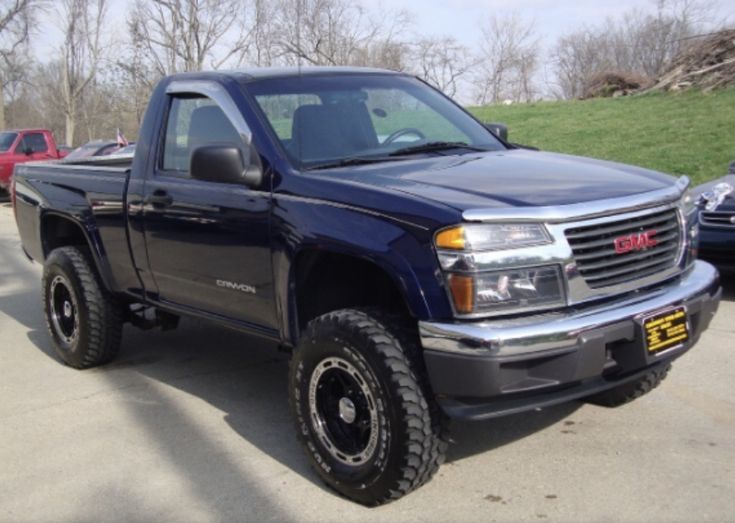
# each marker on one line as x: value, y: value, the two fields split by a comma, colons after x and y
x: 97, y: 330
x: 630, y: 391
x: 412, y: 433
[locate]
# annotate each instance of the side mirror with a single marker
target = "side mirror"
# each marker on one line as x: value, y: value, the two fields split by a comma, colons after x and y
x: 498, y: 129
x: 223, y: 164
x: 27, y: 151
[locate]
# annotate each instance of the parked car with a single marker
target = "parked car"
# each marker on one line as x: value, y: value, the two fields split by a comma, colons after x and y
x: 25, y: 145
x: 452, y: 275
x: 717, y: 222
x: 94, y: 148
x: 128, y: 149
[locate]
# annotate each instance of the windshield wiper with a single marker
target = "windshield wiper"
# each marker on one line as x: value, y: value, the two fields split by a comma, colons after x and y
x: 435, y: 146
x: 353, y: 160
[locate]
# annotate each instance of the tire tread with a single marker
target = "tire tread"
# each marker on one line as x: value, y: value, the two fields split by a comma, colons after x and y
x: 397, y: 346
x: 105, y: 313
x: 631, y: 391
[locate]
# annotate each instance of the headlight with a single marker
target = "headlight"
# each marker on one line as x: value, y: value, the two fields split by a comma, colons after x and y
x: 475, y: 292
x: 688, y: 203
x: 516, y: 289
x: 492, y: 236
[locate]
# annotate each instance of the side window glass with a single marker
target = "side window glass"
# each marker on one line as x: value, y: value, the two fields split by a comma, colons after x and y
x: 35, y: 142
x: 194, y: 121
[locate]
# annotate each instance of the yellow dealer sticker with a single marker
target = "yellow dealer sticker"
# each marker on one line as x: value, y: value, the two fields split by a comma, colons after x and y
x: 666, y: 330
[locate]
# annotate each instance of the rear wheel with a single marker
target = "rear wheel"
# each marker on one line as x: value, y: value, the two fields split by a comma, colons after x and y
x: 632, y: 390
x: 362, y: 407
x: 84, y: 320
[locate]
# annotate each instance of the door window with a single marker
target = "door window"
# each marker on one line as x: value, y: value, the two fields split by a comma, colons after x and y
x: 194, y: 121
x: 35, y: 142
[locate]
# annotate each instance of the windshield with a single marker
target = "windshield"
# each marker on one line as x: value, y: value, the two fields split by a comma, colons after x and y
x: 322, y: 120
x: 6, y: 141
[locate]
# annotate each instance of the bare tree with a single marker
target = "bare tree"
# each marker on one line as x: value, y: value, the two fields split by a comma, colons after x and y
x: 660, y: 36
x: 442, y: 61
x: 507, y: 60
x: 187, y: 35
x: 137, y: 75
x: 262, y: 49
x: 336, y: 32
x: 15, y: 19
x: 578, y: 57
x: 83, y: 27
x: 639, y: 42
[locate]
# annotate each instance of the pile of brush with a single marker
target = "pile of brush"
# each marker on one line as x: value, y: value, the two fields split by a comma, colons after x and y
x: 707, y: 64
x: 613, y: 84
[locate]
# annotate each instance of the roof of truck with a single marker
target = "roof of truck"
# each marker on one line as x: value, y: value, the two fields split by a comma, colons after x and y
x: 272, y: 72
x: 259, y: 73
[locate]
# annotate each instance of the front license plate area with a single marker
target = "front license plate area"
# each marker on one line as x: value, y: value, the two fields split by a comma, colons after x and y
x: 666, y: 330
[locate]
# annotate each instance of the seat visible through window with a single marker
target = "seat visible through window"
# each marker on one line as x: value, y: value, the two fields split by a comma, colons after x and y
x: 322, y: 132
x: 210, y: 125
x: 193, y: 122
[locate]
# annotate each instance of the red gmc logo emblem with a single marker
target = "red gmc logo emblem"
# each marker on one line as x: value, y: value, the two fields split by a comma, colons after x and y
x: 635, y: 242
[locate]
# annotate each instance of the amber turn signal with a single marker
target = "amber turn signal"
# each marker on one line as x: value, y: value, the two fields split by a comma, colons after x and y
x: 463, y: 292
x: 451, y: 238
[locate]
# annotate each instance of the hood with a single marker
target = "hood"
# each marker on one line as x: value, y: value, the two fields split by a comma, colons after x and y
x: 514, y: 178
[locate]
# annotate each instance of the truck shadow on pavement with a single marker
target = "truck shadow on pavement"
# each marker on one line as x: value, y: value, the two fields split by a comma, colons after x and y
x: 243, y: 377
x: 246, y: 378
x: 728, y: 287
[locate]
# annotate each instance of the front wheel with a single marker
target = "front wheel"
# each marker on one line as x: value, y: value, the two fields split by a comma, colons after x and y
x: 362, y: 407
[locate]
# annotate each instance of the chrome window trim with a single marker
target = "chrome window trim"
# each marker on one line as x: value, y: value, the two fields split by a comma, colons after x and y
x: 580, y: 211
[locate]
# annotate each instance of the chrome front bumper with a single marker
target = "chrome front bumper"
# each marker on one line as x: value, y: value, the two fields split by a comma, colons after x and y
x: 507, y: 357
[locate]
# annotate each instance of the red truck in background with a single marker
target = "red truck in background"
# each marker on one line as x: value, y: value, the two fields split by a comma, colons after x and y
x: 25, y: 145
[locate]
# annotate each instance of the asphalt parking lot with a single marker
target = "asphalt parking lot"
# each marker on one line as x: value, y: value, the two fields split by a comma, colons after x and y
x: 193, y: 425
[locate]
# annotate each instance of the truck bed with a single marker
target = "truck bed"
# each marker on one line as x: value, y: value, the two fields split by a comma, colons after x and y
x: 90, y: 190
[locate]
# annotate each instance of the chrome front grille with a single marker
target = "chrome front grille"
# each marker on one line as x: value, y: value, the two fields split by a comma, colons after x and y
x: 717, y: 218
x: 601, y: 265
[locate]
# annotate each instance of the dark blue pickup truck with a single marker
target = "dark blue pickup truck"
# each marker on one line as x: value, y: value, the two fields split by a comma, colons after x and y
x: 418, y: 266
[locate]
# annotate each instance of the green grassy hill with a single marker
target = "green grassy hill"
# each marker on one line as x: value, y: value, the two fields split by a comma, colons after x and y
x: 686, y: 133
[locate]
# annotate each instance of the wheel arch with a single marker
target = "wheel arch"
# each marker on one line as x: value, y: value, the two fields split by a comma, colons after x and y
x: 322, y: 280
x: 61, y: 230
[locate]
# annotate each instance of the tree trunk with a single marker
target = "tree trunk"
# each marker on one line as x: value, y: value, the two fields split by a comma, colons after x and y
x: 2, y: 106
x: 69, y: 135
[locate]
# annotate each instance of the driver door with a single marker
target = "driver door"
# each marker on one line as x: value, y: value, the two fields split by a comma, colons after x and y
x: 208, y: 243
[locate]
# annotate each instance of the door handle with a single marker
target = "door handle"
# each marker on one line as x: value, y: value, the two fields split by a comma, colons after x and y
x: 159, y: 198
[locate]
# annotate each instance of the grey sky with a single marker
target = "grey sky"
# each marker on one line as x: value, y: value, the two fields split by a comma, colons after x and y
x: 457, y: 18
x: 460, y: 18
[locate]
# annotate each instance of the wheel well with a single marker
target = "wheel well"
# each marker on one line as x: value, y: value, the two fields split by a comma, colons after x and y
x: 328, y: 281
x: 57, y: 231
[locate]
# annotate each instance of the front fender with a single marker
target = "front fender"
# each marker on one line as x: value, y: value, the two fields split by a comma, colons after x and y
x: 402, y: 250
